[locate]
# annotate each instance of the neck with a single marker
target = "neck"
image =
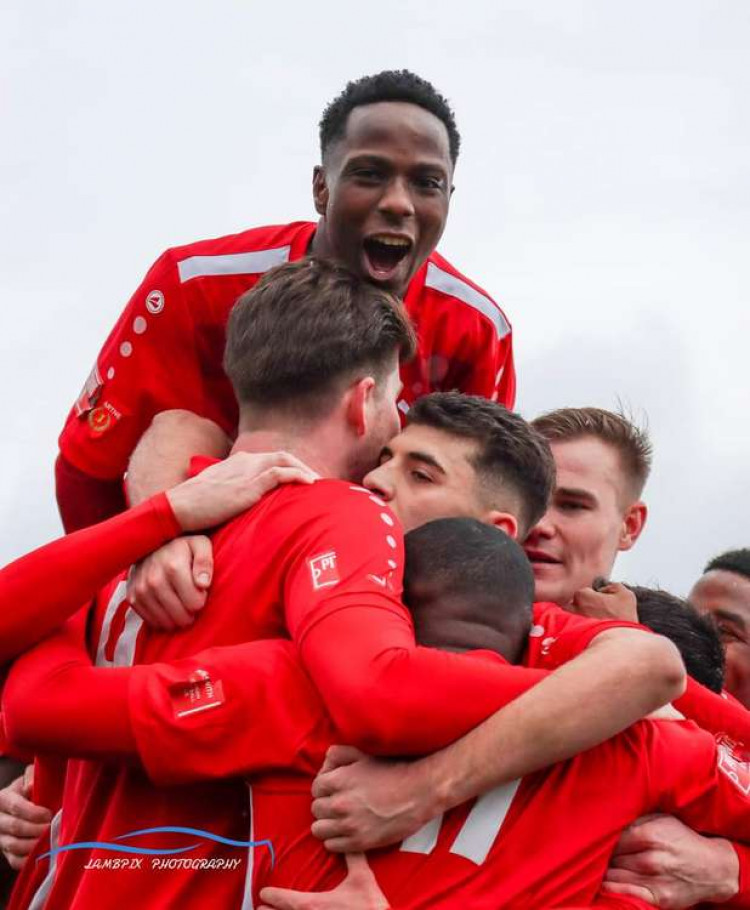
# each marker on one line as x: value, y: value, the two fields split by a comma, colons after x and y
x: 313, y: 449
x: 465, y: 635
x: 320, y: 245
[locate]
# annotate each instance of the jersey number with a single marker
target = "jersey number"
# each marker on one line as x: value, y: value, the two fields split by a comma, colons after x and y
x: 478, y: 833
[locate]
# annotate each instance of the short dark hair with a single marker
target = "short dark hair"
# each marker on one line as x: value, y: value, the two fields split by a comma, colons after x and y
x: 511, y: 455
x: 304, y: 328
x: 390, y: 85
x: 695, y: 634
x: 477, y: 569
x: 631, y: 442
x: 737, y: 561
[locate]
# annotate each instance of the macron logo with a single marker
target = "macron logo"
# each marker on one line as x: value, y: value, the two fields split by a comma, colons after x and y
x: 323, y: 570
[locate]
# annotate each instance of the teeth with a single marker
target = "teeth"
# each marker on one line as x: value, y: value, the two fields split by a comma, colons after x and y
x: 391, y: 241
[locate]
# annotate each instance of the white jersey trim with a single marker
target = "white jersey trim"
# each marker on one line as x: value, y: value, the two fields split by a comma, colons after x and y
x: 39, y: 900
x: 232, y: 263
x: 440, y: 280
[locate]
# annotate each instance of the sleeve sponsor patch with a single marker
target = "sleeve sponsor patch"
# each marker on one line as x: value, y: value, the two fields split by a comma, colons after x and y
x: 323, y: 570
x: 198, y: 693
x: 734, y: 762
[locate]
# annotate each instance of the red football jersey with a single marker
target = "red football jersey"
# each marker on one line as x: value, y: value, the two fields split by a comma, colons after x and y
x: 323, y: 562
x: 166, y: 349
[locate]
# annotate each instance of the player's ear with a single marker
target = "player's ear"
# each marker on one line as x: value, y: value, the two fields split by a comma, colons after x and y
x: 633, y: 522
x: 359, y: 397
x: 505, y: 521
x: 320, y: 189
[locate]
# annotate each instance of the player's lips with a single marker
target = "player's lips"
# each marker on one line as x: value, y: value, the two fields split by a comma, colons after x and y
x: 385, y: 254
x: 541, y: 558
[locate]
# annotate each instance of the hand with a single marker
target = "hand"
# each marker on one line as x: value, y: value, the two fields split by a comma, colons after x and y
x: 613, y: 601
x: 358, y: 891
x: 361, y: 802
x: 21, y: 822
x: 169, y: 588
x: 232, y: 486
x: 665, y: 863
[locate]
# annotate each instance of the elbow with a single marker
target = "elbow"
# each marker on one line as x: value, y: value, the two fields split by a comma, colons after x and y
x: 663, y: 668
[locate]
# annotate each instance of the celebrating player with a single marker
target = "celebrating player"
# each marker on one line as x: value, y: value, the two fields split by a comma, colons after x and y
x: 388, y: 147
x: 327, y: 568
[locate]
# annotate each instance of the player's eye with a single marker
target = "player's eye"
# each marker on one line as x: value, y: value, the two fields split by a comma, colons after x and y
x: 429, y: 182
x: 421, y: 476
x: 728, y: 634
x: 368, y: 174
x: 572, y: 506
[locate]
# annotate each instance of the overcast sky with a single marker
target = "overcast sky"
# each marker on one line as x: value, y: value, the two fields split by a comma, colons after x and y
x: 603, y: 198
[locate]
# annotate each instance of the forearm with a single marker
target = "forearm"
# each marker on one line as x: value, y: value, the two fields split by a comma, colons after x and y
x: 714, y: 713
x: 162, y: 457
x: 604, y: 690
x: 83, y: 500
x: 75, y: 567
x: 389, y: 697
x: 55, y: 701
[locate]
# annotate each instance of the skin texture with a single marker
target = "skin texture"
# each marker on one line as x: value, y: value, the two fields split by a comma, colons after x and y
x: 390, y: 174
x: 726, y: 596
x: 590, y: 520
x: 425, y: 474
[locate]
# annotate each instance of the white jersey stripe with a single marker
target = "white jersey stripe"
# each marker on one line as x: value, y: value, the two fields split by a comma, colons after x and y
x: 247, y: 898
x: 254, y: 263
x: 125, y: 647
x: 118, y: 595
x: 483, y: 823
x: 440, y: 280
x: 424, y: 840
x: 39, y: 899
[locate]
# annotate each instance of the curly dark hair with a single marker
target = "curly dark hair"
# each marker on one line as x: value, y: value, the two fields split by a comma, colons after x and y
x: 737, y: 561
x: 390, y: 85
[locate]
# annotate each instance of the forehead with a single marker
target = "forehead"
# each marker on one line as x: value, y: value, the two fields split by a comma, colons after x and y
x: 719, y: 589
x: 453, y: 452
x: 395, y: 127
x: 589, y: 464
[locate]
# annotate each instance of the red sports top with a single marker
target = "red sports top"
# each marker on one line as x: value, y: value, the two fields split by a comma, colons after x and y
x: 166, y: 349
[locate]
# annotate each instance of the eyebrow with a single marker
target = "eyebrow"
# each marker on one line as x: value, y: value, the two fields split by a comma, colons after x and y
x: 575, y: 493
x: 381, y: 161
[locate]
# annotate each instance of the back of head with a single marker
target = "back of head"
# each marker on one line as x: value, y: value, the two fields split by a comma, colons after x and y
x: 737, y: 561
x: 461, y: 575
x: 305, y: 331
x: 389, y: 85
x: 631, y: 442
x: 513, y: 460
x: 695, y: 634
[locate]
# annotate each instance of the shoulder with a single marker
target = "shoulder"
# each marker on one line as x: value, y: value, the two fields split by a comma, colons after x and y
x: 469, y: 298
x: 249, y: 252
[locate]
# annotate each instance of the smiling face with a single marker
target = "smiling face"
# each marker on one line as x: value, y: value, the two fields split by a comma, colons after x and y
x: 726, y: 596
x: 383, y: 192
x: 588, y: 522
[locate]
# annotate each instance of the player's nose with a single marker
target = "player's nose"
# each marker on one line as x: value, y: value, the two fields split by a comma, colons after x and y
x: 544, y: 529
x: 380, y: 482
x: 396, y: 201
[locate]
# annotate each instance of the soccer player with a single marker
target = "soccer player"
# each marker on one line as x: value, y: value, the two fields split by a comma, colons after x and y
x: 724, y: 591
x: 389, y: 146
x: 313, y: 356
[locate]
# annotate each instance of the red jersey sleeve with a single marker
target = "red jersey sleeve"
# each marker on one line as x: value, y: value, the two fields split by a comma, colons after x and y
x: 240, y: 710
x: 558, y: 636
x: 42, y: 589
x: 741, y: 900
x: 485, y: 363
x: 356, y: 639
x: 704, y: 782
x: 148, y: 364
x: 718, y: 714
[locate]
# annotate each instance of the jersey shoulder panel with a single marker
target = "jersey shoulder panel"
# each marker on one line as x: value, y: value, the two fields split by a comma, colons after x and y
x: 250, y: 252
x: 443, y: 277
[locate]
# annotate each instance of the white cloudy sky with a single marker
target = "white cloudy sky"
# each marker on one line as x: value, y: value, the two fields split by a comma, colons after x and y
x: 603, y: 196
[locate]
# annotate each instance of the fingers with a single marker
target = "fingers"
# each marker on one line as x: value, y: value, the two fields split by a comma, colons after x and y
x: 337, y: 756
x: 13, y: 803
x: 22, y: 823
x: 641, y: 891
x: 203, y: 561
x: 284, y: 899
x: 162, y: 589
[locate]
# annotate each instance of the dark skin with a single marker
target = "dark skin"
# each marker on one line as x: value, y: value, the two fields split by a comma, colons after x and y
x: 726, y: 596
x: 383, y: 192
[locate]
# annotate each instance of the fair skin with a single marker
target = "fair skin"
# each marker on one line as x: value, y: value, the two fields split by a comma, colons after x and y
x: 726, y: 596
x: 593, y: 516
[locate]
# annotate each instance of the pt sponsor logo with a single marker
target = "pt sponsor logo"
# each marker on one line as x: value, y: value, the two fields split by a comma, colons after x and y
x: 323, y: 570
